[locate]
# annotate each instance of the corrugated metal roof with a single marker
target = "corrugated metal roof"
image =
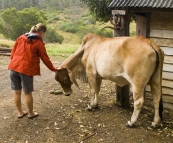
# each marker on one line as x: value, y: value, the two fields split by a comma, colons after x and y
x: 142, y: 3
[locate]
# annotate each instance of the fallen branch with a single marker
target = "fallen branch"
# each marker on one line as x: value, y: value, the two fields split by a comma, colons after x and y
x: 5, y: 54
x: 89, y: 136
x: 5, y: 49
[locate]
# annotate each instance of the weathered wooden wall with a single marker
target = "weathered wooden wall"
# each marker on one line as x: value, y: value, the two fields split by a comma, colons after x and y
x: 161, y: 32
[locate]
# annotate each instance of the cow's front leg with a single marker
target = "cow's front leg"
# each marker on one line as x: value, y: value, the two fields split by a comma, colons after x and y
x: 94, y: 89
x: 93, y: 102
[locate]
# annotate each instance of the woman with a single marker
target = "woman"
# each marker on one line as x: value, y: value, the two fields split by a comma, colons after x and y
x: 25, y: 63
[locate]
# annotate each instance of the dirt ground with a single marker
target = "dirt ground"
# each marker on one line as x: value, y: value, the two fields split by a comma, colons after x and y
x: 64, y: 119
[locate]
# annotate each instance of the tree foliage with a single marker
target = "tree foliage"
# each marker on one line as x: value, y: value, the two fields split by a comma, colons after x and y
x: 53, y: 37
x: 19, y: 4
x: 14, y: 23
x: 40, y: 4
x: 100, y: 9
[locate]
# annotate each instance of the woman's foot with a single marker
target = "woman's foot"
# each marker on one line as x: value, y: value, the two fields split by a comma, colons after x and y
x: 21, y: 115
x: 31, y: 116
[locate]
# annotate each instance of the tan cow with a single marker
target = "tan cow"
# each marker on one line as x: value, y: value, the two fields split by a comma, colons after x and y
x: 124, y: 60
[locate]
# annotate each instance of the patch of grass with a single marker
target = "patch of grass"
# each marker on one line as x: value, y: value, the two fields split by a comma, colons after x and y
x: 4, y: 63
x: 5, y: 43
x: 61, y: 52
x: 132, y: 28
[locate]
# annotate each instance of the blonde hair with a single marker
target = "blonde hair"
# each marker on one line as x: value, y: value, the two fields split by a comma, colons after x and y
x: 38, y: 28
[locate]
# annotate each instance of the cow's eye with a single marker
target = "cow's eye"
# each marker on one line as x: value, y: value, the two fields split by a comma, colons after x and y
x: 65, y: 80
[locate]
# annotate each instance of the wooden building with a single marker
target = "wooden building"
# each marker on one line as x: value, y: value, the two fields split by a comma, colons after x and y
x: 154, y: 20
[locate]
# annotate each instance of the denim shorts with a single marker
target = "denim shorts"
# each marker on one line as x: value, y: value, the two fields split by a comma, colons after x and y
x: 19, y: 81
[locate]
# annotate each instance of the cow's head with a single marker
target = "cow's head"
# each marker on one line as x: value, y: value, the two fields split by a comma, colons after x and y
x: 65, y: 77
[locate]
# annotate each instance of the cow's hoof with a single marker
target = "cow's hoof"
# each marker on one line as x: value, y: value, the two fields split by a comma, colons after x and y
x: 88, y: 109
x: 151, y: 127
x: 130, y: 126
x: 96, y: 106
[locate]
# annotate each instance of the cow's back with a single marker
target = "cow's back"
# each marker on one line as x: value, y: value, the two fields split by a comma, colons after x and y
x: 114, y: 58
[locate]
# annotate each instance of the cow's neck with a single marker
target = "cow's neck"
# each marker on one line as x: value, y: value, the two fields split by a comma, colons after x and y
x: 73, y: 61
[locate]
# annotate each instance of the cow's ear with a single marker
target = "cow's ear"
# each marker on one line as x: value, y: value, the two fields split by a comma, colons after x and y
x: 73, y: 80
x: 56, y: 75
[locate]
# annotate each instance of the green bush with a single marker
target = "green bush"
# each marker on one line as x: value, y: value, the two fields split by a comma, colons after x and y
x: 77, y: 26
x: 104, y: 33
x: 5, y: 45
x: 50, y: 21
x: 83, y: 30
x: 133, y: 33
x: 88, y: 20
x: 56, y: 18
x: 14, y: 23
x: 69, y: 27
x: 53, y: 37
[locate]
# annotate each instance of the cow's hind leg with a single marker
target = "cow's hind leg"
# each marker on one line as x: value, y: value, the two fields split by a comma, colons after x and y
x: 156, y: 91
x: 138, y: 96
x: 94, y: 89
x: 157, y: 101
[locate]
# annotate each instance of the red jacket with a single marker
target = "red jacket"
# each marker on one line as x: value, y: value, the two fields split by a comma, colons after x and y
x: 26, y: 54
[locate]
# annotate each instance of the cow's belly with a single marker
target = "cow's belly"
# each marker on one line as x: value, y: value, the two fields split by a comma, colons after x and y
x: 119, y: 80
x: 113, y: 72
x: 117, y: 76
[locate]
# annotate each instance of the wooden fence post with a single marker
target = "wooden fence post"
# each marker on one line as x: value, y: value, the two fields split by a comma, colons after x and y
x: 122, y: 29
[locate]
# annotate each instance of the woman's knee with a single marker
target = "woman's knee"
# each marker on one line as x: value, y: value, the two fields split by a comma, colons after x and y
x: 17, y: 92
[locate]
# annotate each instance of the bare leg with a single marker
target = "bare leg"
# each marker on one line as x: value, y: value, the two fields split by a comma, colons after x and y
x: 29, y: 103
x: 17, y: 100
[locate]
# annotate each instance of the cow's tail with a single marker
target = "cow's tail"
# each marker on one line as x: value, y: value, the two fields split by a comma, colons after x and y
x: 158, y: 72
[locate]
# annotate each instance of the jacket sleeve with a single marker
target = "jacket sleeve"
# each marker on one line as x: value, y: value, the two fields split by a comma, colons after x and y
x: 44, y: 57
x: 13, y: 49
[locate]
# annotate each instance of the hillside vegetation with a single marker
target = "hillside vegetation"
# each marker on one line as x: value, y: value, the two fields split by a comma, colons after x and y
x: 75, y: 22
x: 70, y: 19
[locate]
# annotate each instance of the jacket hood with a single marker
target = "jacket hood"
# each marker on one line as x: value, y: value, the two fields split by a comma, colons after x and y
x: 32, y: 36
